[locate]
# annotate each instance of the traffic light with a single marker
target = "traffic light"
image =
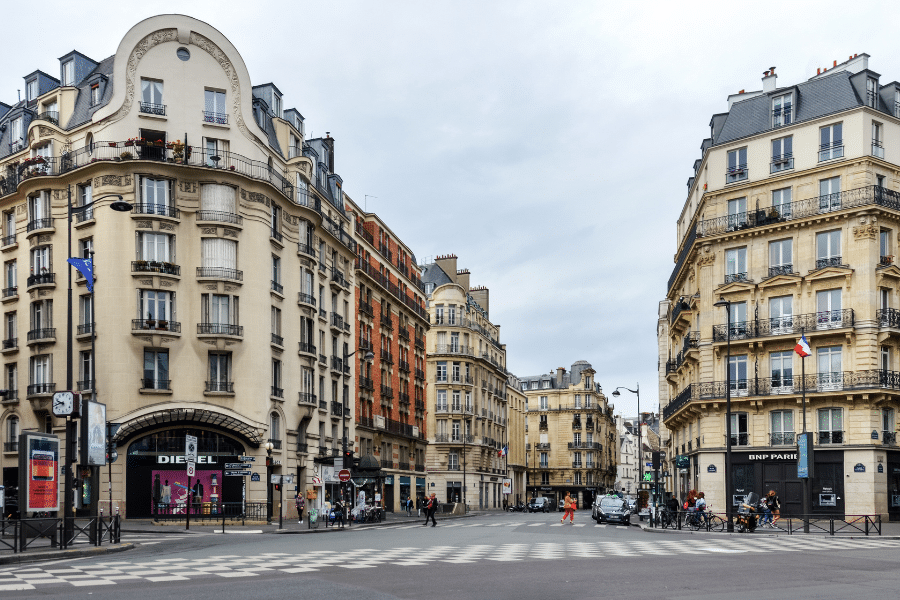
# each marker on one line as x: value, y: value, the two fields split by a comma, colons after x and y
x: 277, y: 487
x: 350, y: 461
x: 656, y: 457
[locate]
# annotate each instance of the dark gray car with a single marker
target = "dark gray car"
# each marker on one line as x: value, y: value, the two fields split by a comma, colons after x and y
x: 611, y: 509
x: 539, y: 504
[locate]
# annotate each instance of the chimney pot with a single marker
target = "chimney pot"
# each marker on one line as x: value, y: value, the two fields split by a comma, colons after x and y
x: 819, y: 70
x: 741, y: 92
x: 835, y: 63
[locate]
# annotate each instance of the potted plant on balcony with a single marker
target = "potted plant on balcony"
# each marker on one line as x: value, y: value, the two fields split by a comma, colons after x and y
x: 112, y: 144
x: 178, y: 151
x: 126, y: 156
x: 163, y: 325
x: 140, y: 265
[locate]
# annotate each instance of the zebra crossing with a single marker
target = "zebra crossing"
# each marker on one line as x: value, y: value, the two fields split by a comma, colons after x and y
x: 144, y: 571
x: 466, y: 525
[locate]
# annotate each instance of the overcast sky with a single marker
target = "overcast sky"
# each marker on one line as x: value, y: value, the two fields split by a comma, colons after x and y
x: 547, y: 144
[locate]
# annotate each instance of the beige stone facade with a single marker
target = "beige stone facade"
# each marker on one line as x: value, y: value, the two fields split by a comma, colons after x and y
x: 466, y: 390
x: 223, y: 300
x: 572, y: 443
x: 796, y: 225
x: 516, y: 459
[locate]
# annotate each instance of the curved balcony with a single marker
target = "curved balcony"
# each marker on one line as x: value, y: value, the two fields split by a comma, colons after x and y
x: 306, y: 250
x: 36, y: 226
x: 809, y: 324
x: 306, y: 300
x: 38, y: 389
x: 307, y: 398
x: 305, y: 348
x: 42, y: 336
x: 41, y: 280
x: 218, y: 216
x: 154, y: 326
x: 219, y: 387
x: 155, y: 210
x: 155, y: 268
x: 453, y: 349
x: 220, y: 273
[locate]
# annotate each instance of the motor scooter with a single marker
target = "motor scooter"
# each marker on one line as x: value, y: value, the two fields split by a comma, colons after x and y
x: 748, y: 510
x: 520, y: 507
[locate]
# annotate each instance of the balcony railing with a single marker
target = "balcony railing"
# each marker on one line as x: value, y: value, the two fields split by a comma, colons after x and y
x: 306, y: 398
x: 10, y: 446
x: 276, y: 235
x: 220, y: 329
x: 738, y: 439
x: 153, y: 109
x: 831, y: 151
x: 785, y: 162
x: 786, y: 385
x: 337, y: 320
x: 386, y: 356
x: 366, y: 308
x: 276, y: 444
x: 877, y: 149
x: 733, y: 277
x: 277, y: 339
x: 585, y: 446
x: 306, y: 347
x: 41, y: 279
x: 454, y: 349
x: 220, y: 386
x: 51, y: 116
x: 155, y: 324
x: 782, y: 439
x: 420, y: 343
x: 831, y: 437
x: 10, y: 292
x: 42, y: 334
x: 215, y: 117
x: 337, y: 409
x: 156, y: 384
x: 387, y: 391
x: 10, y: 343
x: 35, y: 224
x: 736, y: 173
x: 403, y: 366
x: 219, y: 216
x: 152, y: 266
x: 889, y: 438
x: 41, y: 388
x: 164, y: 210
x: 808, y: 323
x: 8, y: 240
x: 781, y: 270
x: 420, y: 374
x: 337, y: 363
x: 220, y: 273
x: 386, y: 321
x: 277, y: 392
x: 831, y: 261
x: 306, y: 299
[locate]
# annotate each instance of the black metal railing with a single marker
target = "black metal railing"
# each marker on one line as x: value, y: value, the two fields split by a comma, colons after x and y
x: 337, y: 321
x: 220, y: 329
x: 888, y: 317
x: 51, y: 116
x: 784, y: 438
x: 276, y: 235
x: 733, y: 277
x: 306, y: 249
x: 737, y: 439
x: 41, y: 388
x: 10, y: 343
x: 42, y: 334
x: 277, y: 287
x: 39, y: 224
x: 337, y: 363
x: 306, y: 398
x: 10, y: 291
x: 155, y: 324
x: 148, y: 208
x: 306, y: 347
x: 784, y: 162
x: 41, y: 279
x: 10, y: 446
x: 277, y: 392
x: 85, y: 328
x: 831, y: 151
x: 277, y: 339
x: 808, y: 323
x: 386, y: 356
x: 8, y: 240
x: 85, y: 385
x: 215, y: 117
x: 736, y: 173
x: 786, y: 385
x: 220, y: 273
x: 153, y: 109
x: 830, y: 437
x: 781, y: 270
x: 889, y: 438
x: 337, y: 409
x: 155, y: 384
x: 220, y: 386
x: 366, y: 383
x: 306, y: 299
x: 152, y: 266
x: 219, y: 216
x: 366, y: 308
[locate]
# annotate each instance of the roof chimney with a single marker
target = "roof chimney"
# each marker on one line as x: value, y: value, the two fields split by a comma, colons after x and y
x: 559, y: 376
x: 768, y: 80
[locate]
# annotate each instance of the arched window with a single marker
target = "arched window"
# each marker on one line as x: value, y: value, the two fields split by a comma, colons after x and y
x: 12, y: 434
x: 275, y: 428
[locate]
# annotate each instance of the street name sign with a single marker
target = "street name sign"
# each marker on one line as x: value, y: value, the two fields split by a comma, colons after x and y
x: 247, y: 458
x: 236, y: 473
x: 238, y: 466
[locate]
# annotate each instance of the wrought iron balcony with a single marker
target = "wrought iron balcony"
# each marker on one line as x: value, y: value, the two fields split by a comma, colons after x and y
x: 736, y: 173
x: 784, y: 162
x: 8, y: 240
x: 403, y: 366
x: 10, y: 292
x: 387, y: 391
x: 277, y: 392
x: 220, y: 273
x: 420, y: 405
x: 41, y: 279
x: 276, y: 444
x: 808, y: 323
x: 780, y: 439
x: 149, y: 208
x: 738, y: 439
x: 337, y: 363
x: 215, y: 117
x: 386, y: 356
x: 833, y: 261
x: 366, y: 308
x: 366, y: 383
x: 156, y: 384
x: 152, y: 266
x: 220, y: 329
x: 733, y: 277
x: 219, y: 216
x: 889, y: 438
x: 420, y: 374
x: 306, y: 249
x: 220, y: 386
x: 277, y: 287
x: 41, y: 388
x: 277, y: 339
x: 153, y: 109
x: 386, y: 321
x: 420, y: 343
x: 337, y: 321
x: 781, y: 270
x: 276, y: 235
x: 306, y: 348
x: 84, y: 329
x: 306, y: 398
x: 10, y: 343
x: 154, y: 324
x: 307, y: 299
x: 51, y: 116
x: 42, y: 334
x: 831, y: 437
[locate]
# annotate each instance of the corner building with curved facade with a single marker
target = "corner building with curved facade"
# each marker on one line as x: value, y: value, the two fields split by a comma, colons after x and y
x: 792, y: 218
x: 223, y: 300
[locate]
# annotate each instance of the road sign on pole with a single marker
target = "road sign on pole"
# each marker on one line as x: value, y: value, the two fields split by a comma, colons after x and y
x: 190, y: 469
x: 344, y: 475
x: 190, y: 448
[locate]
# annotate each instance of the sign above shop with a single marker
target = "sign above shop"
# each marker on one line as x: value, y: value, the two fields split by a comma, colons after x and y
x: 773, y: 456
x: 180, y: 460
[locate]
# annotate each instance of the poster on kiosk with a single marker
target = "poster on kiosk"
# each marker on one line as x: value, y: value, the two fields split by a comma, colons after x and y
x: 38, y: 472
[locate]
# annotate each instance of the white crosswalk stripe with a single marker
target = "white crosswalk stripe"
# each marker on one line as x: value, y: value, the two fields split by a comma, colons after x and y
x: 269, y: 564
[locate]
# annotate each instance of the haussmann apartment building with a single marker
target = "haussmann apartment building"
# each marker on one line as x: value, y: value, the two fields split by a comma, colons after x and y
x: 791, y: 222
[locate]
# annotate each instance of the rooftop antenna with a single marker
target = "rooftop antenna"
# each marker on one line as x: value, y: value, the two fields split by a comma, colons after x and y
x: 366, y: 201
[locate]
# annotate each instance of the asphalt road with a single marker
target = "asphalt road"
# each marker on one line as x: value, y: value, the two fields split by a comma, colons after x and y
x: 500, y: 556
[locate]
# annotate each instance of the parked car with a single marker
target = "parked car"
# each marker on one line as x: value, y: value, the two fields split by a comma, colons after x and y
x: 539, y: 504
x: 561, y: 506
x: 611, y: 509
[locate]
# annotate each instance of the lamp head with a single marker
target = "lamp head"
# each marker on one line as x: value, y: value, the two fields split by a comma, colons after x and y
x: 369, y: 357
x: 616, y: 393
x: 722, y: 302
x: 269, y: 447
x: 120, y: 205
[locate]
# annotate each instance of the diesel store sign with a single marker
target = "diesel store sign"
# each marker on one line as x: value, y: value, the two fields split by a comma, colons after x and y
x: 180, y: 460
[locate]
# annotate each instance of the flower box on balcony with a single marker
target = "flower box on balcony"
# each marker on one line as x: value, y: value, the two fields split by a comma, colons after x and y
x: 163, y: 325
x: 112, y: 144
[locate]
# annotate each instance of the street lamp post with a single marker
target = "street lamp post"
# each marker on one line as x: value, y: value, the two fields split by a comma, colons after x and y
x: 69, y: 499
x: 269, y: 447
x: 616, y: 394
x: 728, y: 474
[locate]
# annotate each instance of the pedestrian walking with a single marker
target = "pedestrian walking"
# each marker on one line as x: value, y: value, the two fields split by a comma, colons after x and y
x: 430, y: 509
x: 773, y: 507
x: 419, y: 503
x: 300, y: 503
x: 409, y: 506
x: 569, y: 506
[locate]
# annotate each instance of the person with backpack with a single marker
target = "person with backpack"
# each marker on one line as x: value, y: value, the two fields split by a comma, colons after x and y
x: 300, y: 503
x: 430, y: 509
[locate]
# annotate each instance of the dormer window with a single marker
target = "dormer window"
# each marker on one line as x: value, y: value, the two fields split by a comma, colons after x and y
x: 16, y: 136
x: 95, y: 94
x: 871, y: 92
x: 31, y: 90
x: 782, y: 110
x: 276, y: 106
x: 68, y: 73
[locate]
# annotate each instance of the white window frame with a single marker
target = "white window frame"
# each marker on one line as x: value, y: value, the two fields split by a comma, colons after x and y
x: 737, y: 169
x: 831, y: 142
x: 782, y: 110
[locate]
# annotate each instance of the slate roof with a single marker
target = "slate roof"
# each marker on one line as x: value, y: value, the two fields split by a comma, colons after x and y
x: 572, y: 377
x: 434, y: 274
x: 83, y: 110
x: 812, y: 99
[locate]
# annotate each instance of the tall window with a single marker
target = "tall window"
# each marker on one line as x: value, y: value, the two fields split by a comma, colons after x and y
x: 888, y: 432
x: 740, y: 434
x: 42, y: 316
x: 39, y: 210
x: 781, y: 314
x: 736, y: 265
x: 95, y: 94
x: 31, y: 90
x: 152, y: 97
x: 831, y: 426
x: 9, y: 227
x: 453, y: 461
x: 215, y: 110
x: 828, y: 362
x: 828, y: 248
x: 828, y: 309
x: 86, y: 198
x: 275, y: 426
x: 441, y: 371
x: 68, y: 73
x: 829, y: 194
x: 877, y: 140
x: 576, y: 460
x: 10, y: 330
x: 737, y: 213
x: 781, y: 203
x: 276, y: 274
x: 831, y: 142
x: 220, y: 309
x: 156, y: 369
x: 85, y: 370
x: 871, y: 92
x: 215, y: 152
x: 737, y: 367
x: 155, y: 196
x: 219, y: 256
x: 156, y: 247
x: 12, y: 434
x: 276, y: 222
x: 782, y: 154
x: 40, y: 373
x: 156, y: 305
x: 9, y: 278
x: 781, y: 110
x: 737, y: 165
x: 12, y: 380
x: 217, y: 202
x: 884, y: 246
x: 782, y: 428
x: 543, y: 403
x: 782, y: 365
x: 441, y: 400
x: 544, y: 460
x: 780, y: 257
x: 277, y: 390
x: 86, y: 318
x: 219, y: 372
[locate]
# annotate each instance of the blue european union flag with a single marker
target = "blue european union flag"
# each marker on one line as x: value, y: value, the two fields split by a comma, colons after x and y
x: 86, y: 267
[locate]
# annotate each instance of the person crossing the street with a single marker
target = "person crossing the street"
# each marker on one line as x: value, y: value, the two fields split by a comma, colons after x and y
x: 569, y: 506
x: 430, y: 509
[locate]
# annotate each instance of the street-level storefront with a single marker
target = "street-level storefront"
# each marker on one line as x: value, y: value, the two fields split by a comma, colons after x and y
x: 893, y: 485
x: 156, y: 473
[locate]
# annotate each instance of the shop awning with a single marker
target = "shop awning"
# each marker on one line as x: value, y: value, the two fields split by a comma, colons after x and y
x: 187, y: 416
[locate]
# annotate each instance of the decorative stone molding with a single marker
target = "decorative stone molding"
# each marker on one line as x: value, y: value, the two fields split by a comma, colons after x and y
x: 209, y: 230
x: 20, y: 209
x: 230, y: 233
x: 144, y: 225
x: 165, y: 283
x: 255, y: 197
x: 213, y: 287
x: 45, y: 131
x: 188, y: 187
x: 167, y: 226
x: 230, y: 288
x: 112, y: 180
x: 705, y: 261
x: 867, y: 229
x: 145, y: 281
x: 140, y: 49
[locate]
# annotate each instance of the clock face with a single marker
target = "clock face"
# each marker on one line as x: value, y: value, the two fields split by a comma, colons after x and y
x: 63, y: 402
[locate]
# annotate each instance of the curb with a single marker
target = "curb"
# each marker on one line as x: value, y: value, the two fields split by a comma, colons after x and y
x: 25, y: 557
x: 785, y: 534
x: 365, y: 525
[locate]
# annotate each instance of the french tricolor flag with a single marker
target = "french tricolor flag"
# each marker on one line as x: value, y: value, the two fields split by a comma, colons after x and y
x: 802, y: 347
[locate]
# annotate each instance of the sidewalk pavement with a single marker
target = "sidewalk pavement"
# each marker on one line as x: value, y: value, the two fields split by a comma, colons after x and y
x: 291, y: 526
x: 889, y: 529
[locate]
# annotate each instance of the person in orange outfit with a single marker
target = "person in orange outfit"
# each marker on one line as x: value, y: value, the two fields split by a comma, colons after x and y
x: 570, y: 509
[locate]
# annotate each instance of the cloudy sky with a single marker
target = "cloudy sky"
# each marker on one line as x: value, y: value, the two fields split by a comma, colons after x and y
x: 547, y: 144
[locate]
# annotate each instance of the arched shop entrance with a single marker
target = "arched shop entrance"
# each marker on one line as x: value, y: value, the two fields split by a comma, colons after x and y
x: 158, y: 457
